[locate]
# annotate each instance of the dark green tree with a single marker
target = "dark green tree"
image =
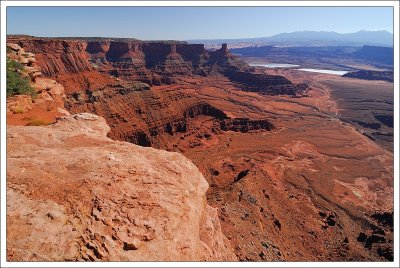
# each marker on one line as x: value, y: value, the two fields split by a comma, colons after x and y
x: 17, y: 84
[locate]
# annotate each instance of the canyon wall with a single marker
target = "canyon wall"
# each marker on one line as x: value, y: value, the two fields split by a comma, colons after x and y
x: 115, y: 79
x: 151, y: 118
x: 57, y: 57
x: 154, y: 63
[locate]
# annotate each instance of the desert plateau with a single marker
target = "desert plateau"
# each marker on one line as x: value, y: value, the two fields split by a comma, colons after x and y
x: 247, y: 163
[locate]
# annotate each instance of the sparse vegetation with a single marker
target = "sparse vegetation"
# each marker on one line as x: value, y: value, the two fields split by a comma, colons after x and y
x: 18, y: 110
x: 37, y: 122
x: 16, y: 83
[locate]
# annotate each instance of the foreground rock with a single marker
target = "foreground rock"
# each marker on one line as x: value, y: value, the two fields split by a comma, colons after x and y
x: 74, y: 194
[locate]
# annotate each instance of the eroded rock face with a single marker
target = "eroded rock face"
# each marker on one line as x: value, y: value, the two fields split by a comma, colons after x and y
x: 74, y: 194
x: 32, y: 71
x: 49, y: 94
x: 113, y: 86
x: 57, y: 57
x: 171, y: 115
x: 154, y: 63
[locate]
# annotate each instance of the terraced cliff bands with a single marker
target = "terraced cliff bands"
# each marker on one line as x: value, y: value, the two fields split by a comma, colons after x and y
x: 149, y: 117
x: 57, y: 57
x: 154, y: 63
x: 114, y: 79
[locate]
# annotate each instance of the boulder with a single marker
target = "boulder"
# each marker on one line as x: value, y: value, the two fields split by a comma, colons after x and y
x: 19, y: 103
x: 13, y: 46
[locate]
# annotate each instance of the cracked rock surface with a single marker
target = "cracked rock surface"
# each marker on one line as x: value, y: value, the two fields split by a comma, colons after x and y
x: 75, y: 194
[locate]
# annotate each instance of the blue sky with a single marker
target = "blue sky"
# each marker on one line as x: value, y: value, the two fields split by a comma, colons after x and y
x: 183, y: 23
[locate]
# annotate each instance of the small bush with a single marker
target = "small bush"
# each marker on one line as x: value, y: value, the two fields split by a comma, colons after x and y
x: 16, y: 83
x: 14, y: 65
x: 18, y: 110
x: 37, y: 122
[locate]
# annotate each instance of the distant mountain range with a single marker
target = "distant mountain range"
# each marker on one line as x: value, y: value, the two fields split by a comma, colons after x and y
x: 377, y: 55
x: 307, y: 38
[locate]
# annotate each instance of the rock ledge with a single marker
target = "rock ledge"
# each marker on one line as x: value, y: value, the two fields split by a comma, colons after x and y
x: 74, y: 194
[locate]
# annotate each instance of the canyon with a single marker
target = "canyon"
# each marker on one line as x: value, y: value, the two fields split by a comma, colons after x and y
x: 291, y: 175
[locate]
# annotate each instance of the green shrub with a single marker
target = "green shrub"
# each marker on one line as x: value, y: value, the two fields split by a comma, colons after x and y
x: 16, y: 83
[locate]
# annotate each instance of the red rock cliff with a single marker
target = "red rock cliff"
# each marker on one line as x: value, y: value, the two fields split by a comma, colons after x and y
x: 84, y: 68
x: 154, y: 63
x: 57, y: 57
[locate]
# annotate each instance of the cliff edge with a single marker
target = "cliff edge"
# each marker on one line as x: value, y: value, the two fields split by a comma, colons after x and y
x: 74, y: 194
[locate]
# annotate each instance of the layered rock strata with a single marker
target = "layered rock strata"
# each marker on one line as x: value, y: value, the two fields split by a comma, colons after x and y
x: 114, y: 78
x: 149, y: 117
x: 154, y: 63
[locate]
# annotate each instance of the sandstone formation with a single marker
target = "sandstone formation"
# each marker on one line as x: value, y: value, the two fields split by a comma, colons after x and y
x: 104, y: 200
x: 58, y: 57
x: 154, y: 63
x: 153, y: 118
x: 279, y: 157
x: 49, y: 94
x: 136, y: 112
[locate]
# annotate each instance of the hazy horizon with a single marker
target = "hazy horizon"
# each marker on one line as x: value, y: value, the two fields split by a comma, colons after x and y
x: 133, y: 37
x: 193, y: 23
